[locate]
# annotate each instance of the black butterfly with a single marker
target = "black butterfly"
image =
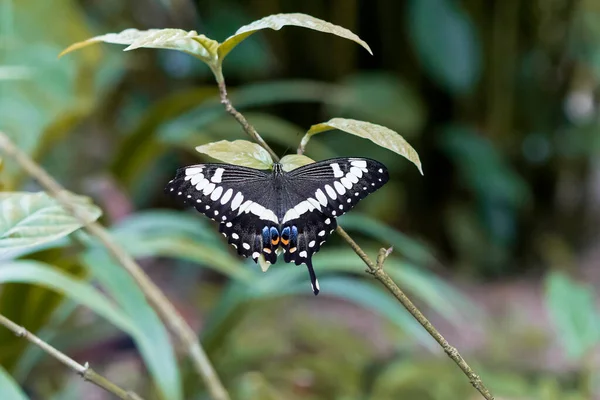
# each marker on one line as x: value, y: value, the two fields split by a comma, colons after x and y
x: 260, y: 210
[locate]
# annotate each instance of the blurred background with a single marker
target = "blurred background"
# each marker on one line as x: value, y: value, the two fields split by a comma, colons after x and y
x: 497, y: 243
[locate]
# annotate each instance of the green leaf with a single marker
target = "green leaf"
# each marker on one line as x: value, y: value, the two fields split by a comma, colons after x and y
x: 572, y: 308
x: 37, y: 273
x: 238, y: 152
x: 186, y: 249
x: 378, y: 134
x: 181, y: 236
x: 293, y: 161
x: 445, y: 42
x: 278, y: 21
x: 175, y: 39
x: 157, y: 222
x: 402, y: 243
x: 382, y: 98
x: 34, y: 219
x: 13, y: 73
x: 373, y: 298
x: 483, y: 167
x: 9, y: 388
x: 153, y: 341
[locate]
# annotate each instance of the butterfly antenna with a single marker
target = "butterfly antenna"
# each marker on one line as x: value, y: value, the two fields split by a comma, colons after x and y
x: 314, y: 282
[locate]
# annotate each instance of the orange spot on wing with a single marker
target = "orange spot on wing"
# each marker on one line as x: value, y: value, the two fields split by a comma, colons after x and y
x: 293, y: 249
x: 285, y: 242
x: 267, y: 250
x: 275, y: 241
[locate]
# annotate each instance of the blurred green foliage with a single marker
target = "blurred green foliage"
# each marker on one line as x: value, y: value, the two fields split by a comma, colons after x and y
x: 497, y: 97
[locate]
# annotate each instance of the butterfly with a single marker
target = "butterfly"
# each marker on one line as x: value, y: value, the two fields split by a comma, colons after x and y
x: 260, y: 211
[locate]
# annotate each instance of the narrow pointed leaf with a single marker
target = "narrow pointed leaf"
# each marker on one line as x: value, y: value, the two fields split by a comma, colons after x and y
x: 278, y: 21
x: 33, y: 219
x: 238, y: 152
x: 153, y: 343
x: 174, y: 39
x: 83, y: 293
x: 378, y: 134
x: 293, y: 161
x: 572, y: 308
x: 9, y: 388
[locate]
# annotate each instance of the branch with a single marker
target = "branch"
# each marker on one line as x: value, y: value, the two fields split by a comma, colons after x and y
x: 242, y: 120
x: 85, y: 371
x: 375, y: 269
x: 180, y: 329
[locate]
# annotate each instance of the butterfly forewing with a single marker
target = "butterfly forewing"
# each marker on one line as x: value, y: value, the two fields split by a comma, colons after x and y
x: 334, y: 186
x: 232, y: 196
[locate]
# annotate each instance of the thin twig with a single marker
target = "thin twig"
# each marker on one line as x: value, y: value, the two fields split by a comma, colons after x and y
x: 376, y: 269
x: 378, y: 272
x: 85, y: 371
x: 243, y: 121
x: 155, y: 297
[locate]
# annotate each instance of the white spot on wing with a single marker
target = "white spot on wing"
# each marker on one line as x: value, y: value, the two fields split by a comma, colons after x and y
x: 346, y: 182
x: 359, y: 163
x: 356, y: 171
x: 255, y: 254
x: 216, y: 193
x: 246, y: 246
x: 193, y: 170
x: 216, y: 178
x: 328, y: 221
x: 321, y: 197
x: 339, y: 187
x: 322, y: 233
x: 196, y: 179
x: 201, y: 184
x: 330, y: 192
x: 303, y: 254
x: 245, y: 206
x: 312, y: 243
x: 337, y: 172
x: 227, y: 196
x: 235, y: 235
x: 302, y: 207
x: 237, y: 200
x: 290, y: 215
x: 314, y: 203
x: 208, y: 189
x: 229, y: 224
x: 352, y: 178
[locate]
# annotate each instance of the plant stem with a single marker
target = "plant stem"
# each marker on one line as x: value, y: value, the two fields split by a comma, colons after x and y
x: 242, y: 120
x: 85, y: 371
x: 375, y: 269
x: 154, y: 295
